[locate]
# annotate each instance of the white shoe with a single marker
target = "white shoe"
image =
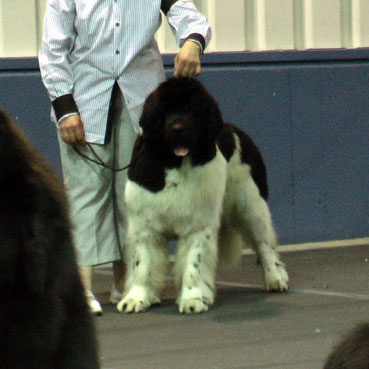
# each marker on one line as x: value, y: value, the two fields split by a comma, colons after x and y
x: 115, y: 296
x: 93, y: 304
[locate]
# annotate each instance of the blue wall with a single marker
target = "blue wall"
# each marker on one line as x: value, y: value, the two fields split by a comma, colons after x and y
x: 308, y: 111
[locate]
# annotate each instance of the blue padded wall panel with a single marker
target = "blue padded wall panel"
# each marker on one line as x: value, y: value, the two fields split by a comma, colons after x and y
x: 345, y: 132
x: 24, y: 97
x: 257, y: 100
x: 307, y: 111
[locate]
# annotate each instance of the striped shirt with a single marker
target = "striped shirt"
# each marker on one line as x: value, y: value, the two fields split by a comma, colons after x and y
x: 87, y: 45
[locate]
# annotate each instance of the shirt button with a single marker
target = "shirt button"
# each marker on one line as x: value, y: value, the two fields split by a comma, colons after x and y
x: 117, y: 24
x: 117, y: 52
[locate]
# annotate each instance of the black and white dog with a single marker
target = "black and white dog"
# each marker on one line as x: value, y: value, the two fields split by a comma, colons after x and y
x: 198, y: 180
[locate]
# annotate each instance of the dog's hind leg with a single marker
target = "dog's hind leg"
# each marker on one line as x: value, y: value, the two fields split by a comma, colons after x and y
x: 257, y: 229
x: 146, y: 255
x: 230, y: 244
x: 195, y: 270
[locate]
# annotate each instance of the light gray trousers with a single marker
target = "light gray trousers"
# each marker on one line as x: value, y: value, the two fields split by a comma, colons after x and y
x: 99, y: 226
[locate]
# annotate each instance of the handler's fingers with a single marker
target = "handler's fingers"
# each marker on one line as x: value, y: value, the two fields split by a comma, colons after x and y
x: 197, y: 70
x: 79, y: 134
x: 64, y: 136
x: 186, y: 68
x: 187, y: 71
x: 68, y: 136
x: 178, y: 67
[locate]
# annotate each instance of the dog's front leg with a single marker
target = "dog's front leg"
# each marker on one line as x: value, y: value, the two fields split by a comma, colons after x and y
x: 136, y: 300
x: 146, y: 260
x: 195, y: 271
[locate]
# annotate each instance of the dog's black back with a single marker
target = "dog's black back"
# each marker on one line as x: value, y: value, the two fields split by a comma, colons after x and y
x: 44, y: 319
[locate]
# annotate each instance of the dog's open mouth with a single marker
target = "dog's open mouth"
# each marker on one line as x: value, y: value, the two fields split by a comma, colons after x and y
x: 181, y: 151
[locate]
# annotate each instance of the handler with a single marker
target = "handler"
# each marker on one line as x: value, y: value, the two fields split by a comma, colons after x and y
x: 99, y: 61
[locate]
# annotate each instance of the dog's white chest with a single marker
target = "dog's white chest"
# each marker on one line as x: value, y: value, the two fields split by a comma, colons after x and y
x: 191, y: 195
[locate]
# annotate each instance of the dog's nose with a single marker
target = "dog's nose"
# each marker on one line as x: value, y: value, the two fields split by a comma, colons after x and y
x: 177, y: 130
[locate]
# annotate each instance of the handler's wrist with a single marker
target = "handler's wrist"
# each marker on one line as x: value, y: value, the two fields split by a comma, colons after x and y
x: 197, y: 39
x: 65, y: 117
x: 198, y: 44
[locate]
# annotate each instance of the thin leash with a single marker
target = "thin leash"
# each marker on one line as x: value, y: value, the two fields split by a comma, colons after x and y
x: 98, y: 160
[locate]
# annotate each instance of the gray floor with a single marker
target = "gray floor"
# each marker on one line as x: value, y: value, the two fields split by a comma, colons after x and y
x: 247, y: 327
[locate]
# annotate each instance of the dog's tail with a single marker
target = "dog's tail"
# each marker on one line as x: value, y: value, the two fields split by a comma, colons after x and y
x: 229, y: 245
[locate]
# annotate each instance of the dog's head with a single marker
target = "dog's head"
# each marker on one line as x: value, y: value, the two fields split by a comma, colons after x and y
x: 180, y: 118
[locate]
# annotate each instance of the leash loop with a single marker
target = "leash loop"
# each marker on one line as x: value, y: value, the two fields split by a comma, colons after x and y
x: 98, y: 160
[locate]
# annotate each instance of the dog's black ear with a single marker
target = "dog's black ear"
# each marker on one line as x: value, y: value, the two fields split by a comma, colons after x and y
x: 146, y: 116
x: 151, y: 120
x: 207, y: 108
x: 215, y: 121
x: 151, y: 113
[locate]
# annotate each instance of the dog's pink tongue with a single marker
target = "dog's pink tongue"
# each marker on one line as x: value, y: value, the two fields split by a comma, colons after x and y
x: 181, y: 151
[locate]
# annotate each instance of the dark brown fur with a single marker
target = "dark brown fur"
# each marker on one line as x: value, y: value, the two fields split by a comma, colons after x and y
x: 352, y: 352
x: 44, y: 318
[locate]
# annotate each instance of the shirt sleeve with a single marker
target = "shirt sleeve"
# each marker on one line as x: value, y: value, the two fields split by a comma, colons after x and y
x: 186, y: 22
x: 57, y: 41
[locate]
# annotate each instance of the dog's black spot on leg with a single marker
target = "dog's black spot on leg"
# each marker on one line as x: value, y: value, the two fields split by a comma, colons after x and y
x: 199, y: 258
x: 196, y: 266
x: 209, y: 286
x: 135, y: 264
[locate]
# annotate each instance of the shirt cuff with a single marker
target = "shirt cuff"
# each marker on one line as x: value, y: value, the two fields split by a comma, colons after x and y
x: 65, y: 116
x: 64, y: 105
x: 198, y: 39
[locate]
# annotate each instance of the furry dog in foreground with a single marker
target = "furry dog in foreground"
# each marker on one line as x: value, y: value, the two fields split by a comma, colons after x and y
x: 44, y: 319
x: 352, y: 352
x: 198, y: 180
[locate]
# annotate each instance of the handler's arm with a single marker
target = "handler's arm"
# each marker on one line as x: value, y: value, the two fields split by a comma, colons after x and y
x: 57, y: 41
x: 192, y: 33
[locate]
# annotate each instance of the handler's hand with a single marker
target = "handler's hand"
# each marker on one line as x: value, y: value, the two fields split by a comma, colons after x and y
x: 187, y: 61
x: 72, y: 130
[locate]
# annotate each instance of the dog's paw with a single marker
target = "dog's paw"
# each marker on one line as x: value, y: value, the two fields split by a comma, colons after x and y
x: 277, y: 280
x: 132, y: 306
x: 192, y: 301
x: 136, y: 301
x: 190, y: 306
